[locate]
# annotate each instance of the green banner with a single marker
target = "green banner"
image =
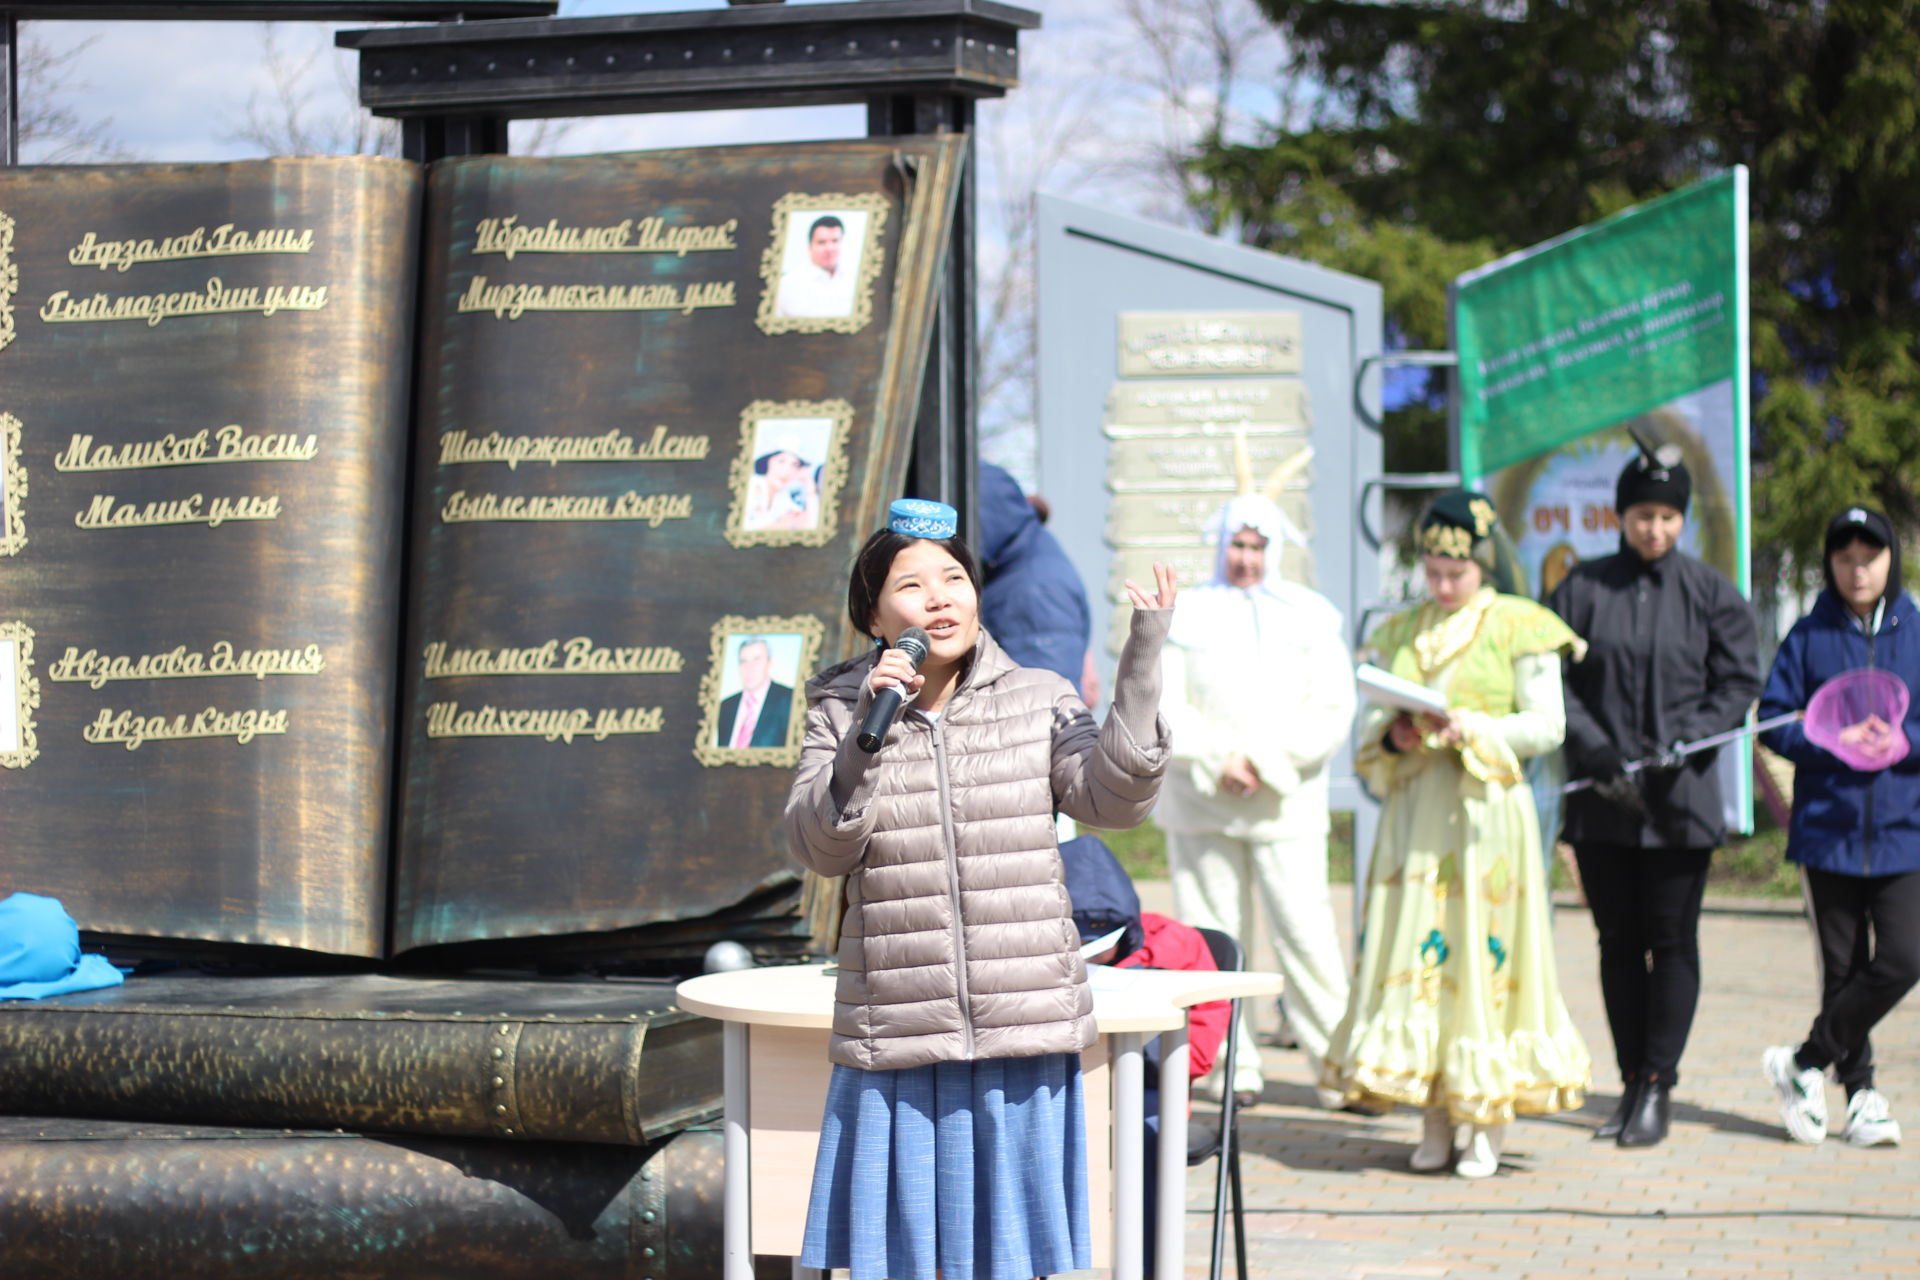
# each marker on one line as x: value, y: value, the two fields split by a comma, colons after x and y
x: 1601, y: 324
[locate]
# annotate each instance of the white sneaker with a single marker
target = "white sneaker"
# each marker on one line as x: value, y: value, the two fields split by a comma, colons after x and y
x: 1435, y: 1151
x: 1481, y: 1159
x: 1803, y: 1094
x: 1868, y: 1124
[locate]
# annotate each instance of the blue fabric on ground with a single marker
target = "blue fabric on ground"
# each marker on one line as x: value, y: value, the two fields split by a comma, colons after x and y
x: 40, y: 951
x: 981, y: 1168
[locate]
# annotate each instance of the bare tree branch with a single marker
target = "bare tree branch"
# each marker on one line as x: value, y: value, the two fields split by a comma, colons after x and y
x: 308, y: 109
x: 52, y: 131
x: 1113, y: 111
x: 311, y: 105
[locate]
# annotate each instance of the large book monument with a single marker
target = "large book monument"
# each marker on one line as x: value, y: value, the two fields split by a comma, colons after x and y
x: 397, y: 557
x: 419, y: 566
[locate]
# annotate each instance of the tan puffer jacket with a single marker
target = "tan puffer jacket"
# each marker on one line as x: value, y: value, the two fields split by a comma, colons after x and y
x: 959, y: 942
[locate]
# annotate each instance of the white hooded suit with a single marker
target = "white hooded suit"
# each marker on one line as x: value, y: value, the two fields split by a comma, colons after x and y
x: 1263, y: 673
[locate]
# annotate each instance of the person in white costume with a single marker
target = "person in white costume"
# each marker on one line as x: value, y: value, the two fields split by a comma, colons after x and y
x: 1259, y: 695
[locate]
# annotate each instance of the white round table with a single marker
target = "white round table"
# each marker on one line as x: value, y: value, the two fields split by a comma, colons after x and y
x: 1130, y: 1006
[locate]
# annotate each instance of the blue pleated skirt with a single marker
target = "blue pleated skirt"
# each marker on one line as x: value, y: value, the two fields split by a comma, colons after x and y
x: 974, y: 1170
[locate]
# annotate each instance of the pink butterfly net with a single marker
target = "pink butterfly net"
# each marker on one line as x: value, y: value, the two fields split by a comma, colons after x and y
x: 1857, y: 715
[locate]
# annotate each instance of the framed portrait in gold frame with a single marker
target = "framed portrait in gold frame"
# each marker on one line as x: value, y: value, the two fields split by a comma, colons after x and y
x: 818, y: 271
x: 19, y: 697
x: 787, y: 475
x: 752, y: 709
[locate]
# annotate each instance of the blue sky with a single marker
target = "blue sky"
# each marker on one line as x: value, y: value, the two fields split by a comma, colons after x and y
x: 174, y: 90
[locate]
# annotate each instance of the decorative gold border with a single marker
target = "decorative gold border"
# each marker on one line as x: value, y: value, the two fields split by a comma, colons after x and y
x: 812, y: 635
x: 26, y: 694
x: 9, y: 280
x: 13, y: 491
x: 833, y: 473
x: 871, y: 253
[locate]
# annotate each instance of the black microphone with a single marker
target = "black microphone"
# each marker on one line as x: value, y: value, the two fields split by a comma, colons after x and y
x: 886, y: 704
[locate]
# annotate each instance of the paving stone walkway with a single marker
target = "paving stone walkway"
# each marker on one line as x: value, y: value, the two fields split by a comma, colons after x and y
x: 1329, y: 1196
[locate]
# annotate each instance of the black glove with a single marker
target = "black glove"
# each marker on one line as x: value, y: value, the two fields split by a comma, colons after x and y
x: 1602, y: 762
x: 1623, y: 793
x: 1665, y: 760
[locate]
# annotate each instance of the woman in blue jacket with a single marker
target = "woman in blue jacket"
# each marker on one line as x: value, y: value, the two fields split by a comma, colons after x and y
x: 1855, y: 834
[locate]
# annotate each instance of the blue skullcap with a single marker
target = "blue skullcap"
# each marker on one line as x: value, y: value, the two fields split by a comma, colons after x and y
x: 919, y: 518
x: 40, y: 951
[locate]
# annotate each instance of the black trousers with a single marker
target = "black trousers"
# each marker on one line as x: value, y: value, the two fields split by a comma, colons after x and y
x: 1861, y: 978
x: 1646, y: 905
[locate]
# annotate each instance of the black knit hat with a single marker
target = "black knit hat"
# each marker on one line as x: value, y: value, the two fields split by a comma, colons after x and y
x: 1658, y: 474
x: 1861, y: 524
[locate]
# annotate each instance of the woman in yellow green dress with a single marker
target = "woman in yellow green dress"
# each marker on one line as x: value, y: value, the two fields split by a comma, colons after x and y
x: 1456, y: 1007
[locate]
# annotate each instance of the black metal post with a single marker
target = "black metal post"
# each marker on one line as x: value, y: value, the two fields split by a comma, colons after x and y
x: 9, y: 88
x: 946, y: 455
x: 425, y: 139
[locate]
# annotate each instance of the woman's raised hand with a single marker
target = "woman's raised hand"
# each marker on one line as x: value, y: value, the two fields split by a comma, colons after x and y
x: 894, y: 668
x: 1163, y: 598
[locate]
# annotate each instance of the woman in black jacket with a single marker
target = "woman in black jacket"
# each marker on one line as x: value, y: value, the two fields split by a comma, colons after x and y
x: 1671, y: 658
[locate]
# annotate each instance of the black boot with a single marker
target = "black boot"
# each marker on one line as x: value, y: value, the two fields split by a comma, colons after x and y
x: 1629, y: 1102
x: 1647, y: 1126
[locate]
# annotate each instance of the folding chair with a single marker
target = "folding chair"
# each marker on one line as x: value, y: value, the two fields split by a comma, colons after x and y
x: 1227, y: 954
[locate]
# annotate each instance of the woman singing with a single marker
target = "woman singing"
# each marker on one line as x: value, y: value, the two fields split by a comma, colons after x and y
x: 953, y: 1136
x: 1670, y: 659
x: 1855, y: 832
x: 1456, y: 1007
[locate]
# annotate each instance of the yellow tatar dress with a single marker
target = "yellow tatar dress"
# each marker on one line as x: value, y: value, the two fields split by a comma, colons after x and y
x: 1457, y: 1000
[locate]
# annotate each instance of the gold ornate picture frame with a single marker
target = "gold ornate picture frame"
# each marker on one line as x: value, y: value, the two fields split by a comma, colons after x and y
x: 19, y: 745
x: 9, y: 280
x: 793, y: 651
x: 13, y: 488
x: 809, y: 306
x: 794, y: 499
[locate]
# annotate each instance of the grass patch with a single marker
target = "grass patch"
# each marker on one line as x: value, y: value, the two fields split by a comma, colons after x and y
x: 1747, y: 867
x: 1755, y: 866
x: 1141, y: 851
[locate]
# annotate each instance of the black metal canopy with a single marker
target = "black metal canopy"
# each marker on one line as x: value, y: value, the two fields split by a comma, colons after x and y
x: 742, y: 56
x: 269, y: 10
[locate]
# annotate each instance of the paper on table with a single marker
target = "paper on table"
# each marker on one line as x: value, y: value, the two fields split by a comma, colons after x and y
x: 1385, y: 689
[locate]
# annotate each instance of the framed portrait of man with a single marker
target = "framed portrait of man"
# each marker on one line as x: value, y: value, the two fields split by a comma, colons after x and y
x: 19, y: 695
x: 787, y: 475
x: 752, y: 708
x: 819, y: 269
x: 13, y: 488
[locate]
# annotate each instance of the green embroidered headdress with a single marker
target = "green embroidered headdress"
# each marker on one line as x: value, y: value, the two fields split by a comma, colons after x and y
x: 1463, y: 525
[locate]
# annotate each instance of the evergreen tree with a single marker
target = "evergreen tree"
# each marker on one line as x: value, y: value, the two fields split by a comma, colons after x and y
x: 1450, y: 133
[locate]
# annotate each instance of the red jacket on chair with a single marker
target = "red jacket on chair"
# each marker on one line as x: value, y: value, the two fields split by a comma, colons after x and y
x: 1172, y: 945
